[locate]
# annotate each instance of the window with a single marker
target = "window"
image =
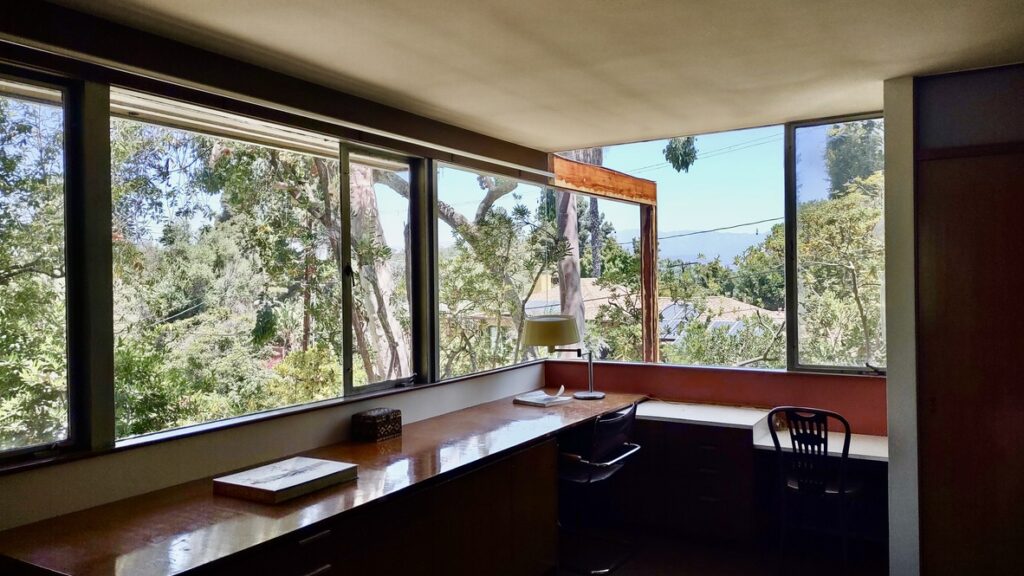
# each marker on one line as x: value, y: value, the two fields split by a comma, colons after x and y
x: 33, y: 327
x: 509, y: 249
x: 228, y: 283
x: 838, y: 266
x: 721, y: 259
x: 603, y: 283
x: 381, y: 322
x: 728, y: 225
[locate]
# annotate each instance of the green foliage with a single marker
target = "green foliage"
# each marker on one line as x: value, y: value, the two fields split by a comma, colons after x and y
x: 616, y: 332
x: 841, y: 258
x: 760, y: 277
x: 148, y: 397
x: 33, y: 373
x: 853, y: 150
x: 757, y: 342
x: 681, y: 153
x: 305, y: 376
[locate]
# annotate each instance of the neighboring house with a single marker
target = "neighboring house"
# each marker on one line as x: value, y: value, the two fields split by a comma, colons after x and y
x: 724, y: 312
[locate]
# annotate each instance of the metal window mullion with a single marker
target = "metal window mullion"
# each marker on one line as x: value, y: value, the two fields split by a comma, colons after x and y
x: 424, y: 301
x: 345, y: 210
x: 792, y: 333
x: 89, y: 265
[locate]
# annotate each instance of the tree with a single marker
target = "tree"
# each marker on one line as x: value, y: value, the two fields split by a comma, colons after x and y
x: 33, y: 374
x: 760, y: 277
x: 681, y: 153
x: 853, y: 150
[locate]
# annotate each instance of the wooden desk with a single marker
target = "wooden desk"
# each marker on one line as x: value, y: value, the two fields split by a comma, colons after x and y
x: 699, y: 469
x: 862, y: 446
x: 187, y: 528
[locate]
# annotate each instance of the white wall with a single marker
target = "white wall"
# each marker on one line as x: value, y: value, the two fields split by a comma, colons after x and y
x: 901, y: 392
x: 54, y: 490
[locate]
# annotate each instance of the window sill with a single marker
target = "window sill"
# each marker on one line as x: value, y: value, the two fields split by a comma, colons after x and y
x: 29, y: 462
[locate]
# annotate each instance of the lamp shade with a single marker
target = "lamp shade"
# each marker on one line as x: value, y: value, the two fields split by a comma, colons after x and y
x: 553, y: 330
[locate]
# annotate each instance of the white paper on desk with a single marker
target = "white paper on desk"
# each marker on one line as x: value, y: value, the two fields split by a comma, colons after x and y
x: 542, y: 398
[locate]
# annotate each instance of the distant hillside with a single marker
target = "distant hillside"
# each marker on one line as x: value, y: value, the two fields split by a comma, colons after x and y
x: 725, y: 245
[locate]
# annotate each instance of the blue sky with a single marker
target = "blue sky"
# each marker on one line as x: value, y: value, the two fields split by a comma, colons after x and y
x: 738, y: 177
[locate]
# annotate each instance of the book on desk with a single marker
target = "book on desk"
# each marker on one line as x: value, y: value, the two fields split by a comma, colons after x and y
x: 280, y: 481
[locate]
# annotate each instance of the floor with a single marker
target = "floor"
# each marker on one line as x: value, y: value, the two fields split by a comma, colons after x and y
x: 662, y: 555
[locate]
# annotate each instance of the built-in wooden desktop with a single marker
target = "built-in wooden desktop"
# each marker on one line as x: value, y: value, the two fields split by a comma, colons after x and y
x: 469, y: 492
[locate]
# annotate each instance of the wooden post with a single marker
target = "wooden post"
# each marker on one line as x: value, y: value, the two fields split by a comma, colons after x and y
x: 606, y: 183
x: 649, y: 282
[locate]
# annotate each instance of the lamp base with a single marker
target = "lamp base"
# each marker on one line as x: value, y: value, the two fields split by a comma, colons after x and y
x: 588, y: 395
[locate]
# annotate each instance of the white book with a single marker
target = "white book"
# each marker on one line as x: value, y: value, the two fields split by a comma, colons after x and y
x: 286, y: 479
x: 542, y: 398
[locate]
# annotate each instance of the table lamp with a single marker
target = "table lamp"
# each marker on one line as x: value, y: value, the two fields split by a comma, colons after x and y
x: 558, y: 330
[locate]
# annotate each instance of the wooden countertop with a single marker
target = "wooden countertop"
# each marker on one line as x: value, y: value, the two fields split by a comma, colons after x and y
x: 862, y: 446
x: 701, y: 414
x: 180, y: 528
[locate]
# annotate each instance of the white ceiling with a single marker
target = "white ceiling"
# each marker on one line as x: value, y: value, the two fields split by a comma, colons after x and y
x: 561, y: 74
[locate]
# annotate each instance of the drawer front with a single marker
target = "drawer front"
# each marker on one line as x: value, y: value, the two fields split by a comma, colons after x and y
x: 693, y: 478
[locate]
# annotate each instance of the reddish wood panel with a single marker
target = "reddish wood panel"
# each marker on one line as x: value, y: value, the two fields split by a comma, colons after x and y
x: 861, y: 399
x: 970, y: 388
x: 601, y: 181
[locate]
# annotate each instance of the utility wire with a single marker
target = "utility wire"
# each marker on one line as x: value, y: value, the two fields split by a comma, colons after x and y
x: 697, y: 232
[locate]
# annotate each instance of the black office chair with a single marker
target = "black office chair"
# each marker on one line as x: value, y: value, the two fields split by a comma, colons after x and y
x: 594, y: 460
x: 807, y: 475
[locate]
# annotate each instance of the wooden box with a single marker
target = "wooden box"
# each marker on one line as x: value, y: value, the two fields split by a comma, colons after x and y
x: 376, y: 424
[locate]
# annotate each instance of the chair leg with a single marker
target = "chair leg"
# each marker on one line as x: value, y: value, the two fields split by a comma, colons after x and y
x: 783, y: 528
x: 844, y: 531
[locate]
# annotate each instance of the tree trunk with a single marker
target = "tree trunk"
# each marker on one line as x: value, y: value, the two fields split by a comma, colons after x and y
x: 375, y: 284
x: 307, y: 277
x: 569, y: 290
x: 595, y: 238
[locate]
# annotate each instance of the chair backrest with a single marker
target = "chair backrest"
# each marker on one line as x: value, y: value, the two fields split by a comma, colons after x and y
x: 808, y: 465
x: 611, y: 431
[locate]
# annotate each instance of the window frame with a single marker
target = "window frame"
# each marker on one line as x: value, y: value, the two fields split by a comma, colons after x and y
x: 86, y: 104
x: 345, y: 150
x: 86, y: 402
x: 89, y: 269
x: 420, y: 366
x: 793, y: 363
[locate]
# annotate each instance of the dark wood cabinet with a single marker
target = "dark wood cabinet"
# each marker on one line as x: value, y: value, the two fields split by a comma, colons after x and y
x: 694, y: 479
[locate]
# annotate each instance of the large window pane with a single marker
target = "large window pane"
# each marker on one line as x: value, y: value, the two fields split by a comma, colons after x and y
x: 382, y: 346
x: 227, y: 276
x: 33, y: 349
x: 509, y: 249
x: 721, y: 246
x: 840, y: 244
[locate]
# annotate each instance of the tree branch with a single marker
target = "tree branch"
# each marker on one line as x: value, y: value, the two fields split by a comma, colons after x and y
x: 447, y: 213
x: 496, y: 187
x: 765, y: 356
x: 32, y: 267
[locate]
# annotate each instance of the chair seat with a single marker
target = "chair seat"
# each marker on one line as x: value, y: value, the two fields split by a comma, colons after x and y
x: 579, y: 473
x: 853, y: 486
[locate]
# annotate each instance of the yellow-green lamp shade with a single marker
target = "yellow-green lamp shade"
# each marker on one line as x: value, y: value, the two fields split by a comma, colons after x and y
x: 553, y: 330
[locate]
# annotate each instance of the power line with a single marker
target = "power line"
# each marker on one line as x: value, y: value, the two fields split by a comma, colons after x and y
x: 712, y: 153
x: 720, y: 229
x: 698, y: 232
